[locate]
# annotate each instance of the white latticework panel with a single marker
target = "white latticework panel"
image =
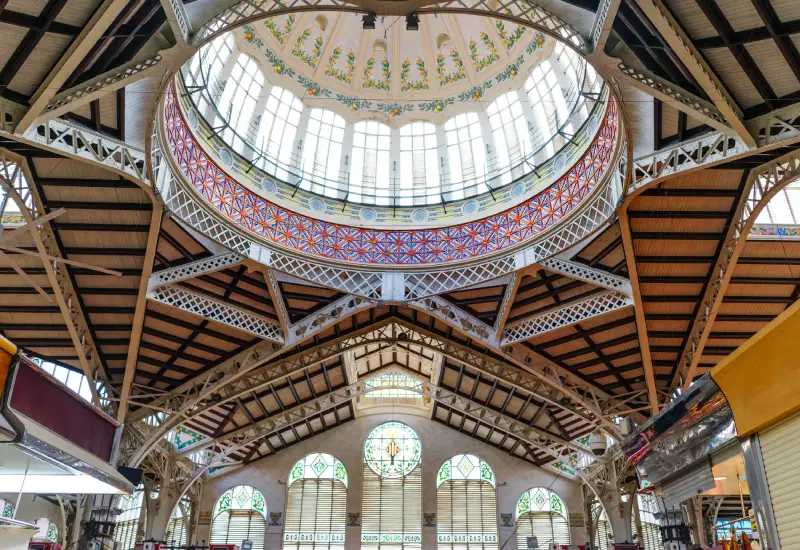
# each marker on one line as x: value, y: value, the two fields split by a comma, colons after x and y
x: 587, y: 274
x: 216, y: 311
x: 780, y: 125
x: 354, y: 281
x: 77, y: 141
x: 327, y: 316
x: 419, y: 285
x: 563, y: 316
x: 450, y: 314
x: 194, y: 269
x: 694, y: 153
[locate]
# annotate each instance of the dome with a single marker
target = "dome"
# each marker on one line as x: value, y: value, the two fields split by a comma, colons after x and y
x: 352, y: 132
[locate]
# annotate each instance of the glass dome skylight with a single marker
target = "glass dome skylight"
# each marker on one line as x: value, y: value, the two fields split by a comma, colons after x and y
x: 293, y: 103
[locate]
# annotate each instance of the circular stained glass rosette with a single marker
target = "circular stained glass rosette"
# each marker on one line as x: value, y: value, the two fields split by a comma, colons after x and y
x: 392, y: 450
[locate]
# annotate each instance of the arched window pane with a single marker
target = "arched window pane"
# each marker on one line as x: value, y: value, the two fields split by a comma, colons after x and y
x: 128, y: 530
x: 391, y: 511
x: 322, y: 152
x: 240, y: 514
x: 602, y: 529
x: 542, y: 514
x: 238, y: 101
x: 466, y: 154
x: 277, y: 131
x: 419, y: 166
x: 510, y: 132
x: 178, y: 524
x: 370, y: 166
x: 316, y: 506
x: 651, y: 528
x: 466, y: 505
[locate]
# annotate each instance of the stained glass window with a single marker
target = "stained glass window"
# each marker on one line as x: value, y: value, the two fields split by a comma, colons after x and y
x: 391, y: 512
x: 395, y: 385
x: 316, y: 505
x: 541, y: 513
x: 466, y: 505
x: 239, y: 514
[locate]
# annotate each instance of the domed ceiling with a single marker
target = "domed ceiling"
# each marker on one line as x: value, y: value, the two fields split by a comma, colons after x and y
x: 450, y: 60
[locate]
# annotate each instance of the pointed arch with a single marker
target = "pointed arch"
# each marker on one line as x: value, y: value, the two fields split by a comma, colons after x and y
x: 466, y: 504
x: 316, y: 504
x: 542, y: 513
x: 240, y: 514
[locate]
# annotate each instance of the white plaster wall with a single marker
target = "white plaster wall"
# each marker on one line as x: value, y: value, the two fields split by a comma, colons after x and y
x: 439, y: 443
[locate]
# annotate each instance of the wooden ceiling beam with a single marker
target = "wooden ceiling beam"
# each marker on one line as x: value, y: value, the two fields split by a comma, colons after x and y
x: 773, y: 24
x: 757, y: 34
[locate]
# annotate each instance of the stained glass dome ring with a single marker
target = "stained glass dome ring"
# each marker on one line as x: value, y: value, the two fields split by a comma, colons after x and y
x: 392, y: 450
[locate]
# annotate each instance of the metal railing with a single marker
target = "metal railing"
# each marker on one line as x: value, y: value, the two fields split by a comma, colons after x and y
x: 391, y: 191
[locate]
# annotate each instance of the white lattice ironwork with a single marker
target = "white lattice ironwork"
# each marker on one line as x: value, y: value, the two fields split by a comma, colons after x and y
x: 564, y: 316
x: 601, y: 28
x: 697, y: 107
x: 124, y: 72
x: 700, y: 152
x: 781, y: 125
x: 12, y: 180
x: 178, y: 21
x: 516, y: 11
x: 327, y: 316
x: 587, y: 274
x: 194, y: 269
x: 458, y: 318
x: 80, y: 143
x: 761, y: 185
x: 217, y: 311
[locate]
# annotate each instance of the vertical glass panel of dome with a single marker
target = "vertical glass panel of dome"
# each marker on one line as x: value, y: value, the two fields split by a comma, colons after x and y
x: 511, y: 139
x: 238, y: 102
x: 322, y: 152
x: 205, y: 69
x: 419, y: 166
x: 580, y: 76
x: 277, y: 131
x: 370, y: 179
x: 549, y: 107
x: 394, y: 385
x: 467, y: 157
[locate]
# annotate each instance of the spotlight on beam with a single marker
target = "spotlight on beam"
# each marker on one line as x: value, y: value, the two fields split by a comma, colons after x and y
x: 369, y: 21
x: 412, y: 22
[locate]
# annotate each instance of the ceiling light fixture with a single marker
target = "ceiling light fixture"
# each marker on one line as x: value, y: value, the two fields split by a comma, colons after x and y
x: 368, y: 21
x: 720, y: 478
x: 412, y: 22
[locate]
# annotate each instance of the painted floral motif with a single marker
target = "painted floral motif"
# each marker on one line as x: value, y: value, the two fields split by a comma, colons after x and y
x: 524, y: 504
x: 510, y: 38
x: 458, y: 72
x: 422, y: 72
x: 313, y: 88
x: 8, y: 510
x: 481, y: 62
x: 280, y: 33
x: 511, y: 71
x: 52, y: 533
x: 345, y: 75
x: 535, y: 44
x: 486, y: 473
x: 250, y: 36
x: 383, y: 83
x: 444, y: 472
x: 316, y: 52
x: 476, y: 93
x: 258, y: 502
x: 437, y: 106
x: 395, y: 109
x: 225, y: 501
x: 353, y: 103
x: 278, y: 65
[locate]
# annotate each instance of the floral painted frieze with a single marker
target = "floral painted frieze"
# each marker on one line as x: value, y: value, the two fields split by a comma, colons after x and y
x: 383, y: 83
x: 511, y: 71
x: 343, y: 75
x: 278, y: 31
x: 490, y: 56
x: 509, y: 37
x: 456, y: 72
x: 299, y: 50
x: 395, y: 109
x: 413, y: 85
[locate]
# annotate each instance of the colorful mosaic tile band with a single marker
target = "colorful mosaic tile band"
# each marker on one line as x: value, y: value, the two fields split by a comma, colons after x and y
x: 388, y: 247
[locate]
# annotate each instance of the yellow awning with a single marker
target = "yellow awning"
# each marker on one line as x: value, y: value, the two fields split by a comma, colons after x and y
x: 7, y: 346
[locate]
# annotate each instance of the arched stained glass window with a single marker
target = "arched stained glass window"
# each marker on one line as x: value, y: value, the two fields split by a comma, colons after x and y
x: 131, y: 523
x: 177, y: 528
x: 391, y: 512
x: 322, y: 152
x: 370, y: 167
x: 510, y: 131
x: 239, y: 514
x: 277, y: 130
x: 466, y: 155
x: 316, y: 504
x: 542, y: 514
x: 238, y: 101
x: 419, y: 164
x: 466, y: 505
